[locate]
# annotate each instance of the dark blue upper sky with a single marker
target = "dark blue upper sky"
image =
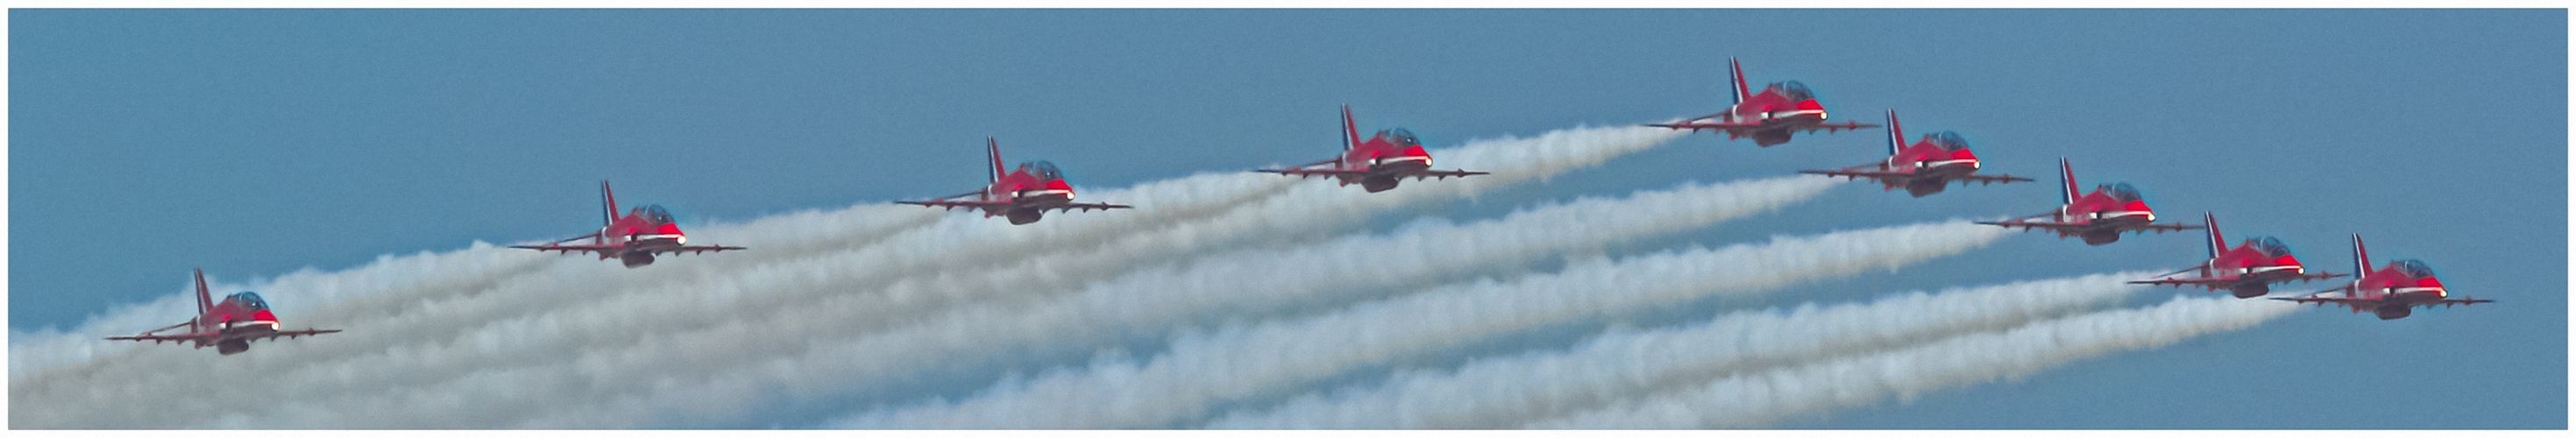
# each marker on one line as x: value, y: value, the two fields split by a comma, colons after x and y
x: 252, y: 143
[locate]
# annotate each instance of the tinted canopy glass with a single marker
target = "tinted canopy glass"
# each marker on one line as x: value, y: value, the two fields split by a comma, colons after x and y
x: 655, y: 213
x: 2271, y: 247
x: 1043, y: 170
x: 1948, y: 140
x: 2415, y: 268
x: 1793, y: 90
x: 2121, y: 192
x: 249, y: 299
x: 1401, y: 137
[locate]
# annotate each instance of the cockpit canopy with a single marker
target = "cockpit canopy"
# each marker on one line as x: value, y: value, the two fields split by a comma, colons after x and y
x: 655, y: 213
x: 249, y: 299
x: 1948, y: 140
x: 1401, y: 137
x: 2270, y: 247
x: 2121, y: 192
x: 1793, y: 90
x: 2414, y: 268
x: 1042, y: 170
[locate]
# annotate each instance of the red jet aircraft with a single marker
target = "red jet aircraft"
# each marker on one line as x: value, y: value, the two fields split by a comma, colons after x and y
x: 2099, y: 216
x: 1781, y: 109
x: 1378, y: 164
x: 1925, y: 168
x: 229, y: 325
x: 1023, y: 195
x: 2248, y: 271
x: 633, y: 238
x: 2392, y: 292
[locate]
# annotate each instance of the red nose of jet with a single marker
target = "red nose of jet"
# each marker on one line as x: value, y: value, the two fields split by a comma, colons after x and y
x: 1960, y: 161
x: 263, y: 316
x: 1061, y: 186
x: 2288, y: 263
x: 2436, y: 285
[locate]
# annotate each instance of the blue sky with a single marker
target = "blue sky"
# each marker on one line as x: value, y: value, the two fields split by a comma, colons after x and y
x: 253, y: 143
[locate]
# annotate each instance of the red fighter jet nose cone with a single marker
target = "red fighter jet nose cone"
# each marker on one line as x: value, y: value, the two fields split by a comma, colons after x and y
x: 1059, y: 185
x: 2139, y: 208
x: 263, y: 316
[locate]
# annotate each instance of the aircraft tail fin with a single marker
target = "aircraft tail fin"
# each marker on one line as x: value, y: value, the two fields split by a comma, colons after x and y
x: 205, y: 301
x: 993, y: 149
x: 1741, y: 89
x: 2217, y: 242
x: 607, y: 205
x: 2360, y: 258
x: 2066, y: 174
x: 1895, y: 134
x: 1350, y: 130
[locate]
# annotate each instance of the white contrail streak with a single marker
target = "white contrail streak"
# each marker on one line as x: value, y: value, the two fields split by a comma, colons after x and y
x: 1240, y: 284
x: 443, y: 358
x: 421, y: 275
x: 289, y: 295
x: 1759, y: 399
x: 1506, y: 391
x: 825, y: 300
x: 1205, y: 369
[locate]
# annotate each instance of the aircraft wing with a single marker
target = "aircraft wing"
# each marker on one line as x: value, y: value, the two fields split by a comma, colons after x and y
x: 2362, y: 303
x: 2448, y: 302
x: 182, y: 337
x: 1695, y: 125
x: 2202, y: 282
x: 696, y: 249
x: 1832, y: 127
x: 1444, y: 174
x: 945, y: 204
x: 2303, y: 278
x: 1990, y: 179
x: 2160, y: 228
x: 568, y: 249
x: 1302, y: 173
x: 2347, y: 302
x: 291, y: 334
x: 2035, y: 225
x: 1856, y: 174
x: 1088, y: 207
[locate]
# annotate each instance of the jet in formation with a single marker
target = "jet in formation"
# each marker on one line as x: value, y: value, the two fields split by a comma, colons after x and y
x: 1924, y: 168
x: 2391, y: 292
x: 2247, y: 270
x: 1022, y: 195
x: 229, y: 325
x: 2099, y: 217
x: 1781, y: 109
x: 1376, y: 164
x: 633, y: 238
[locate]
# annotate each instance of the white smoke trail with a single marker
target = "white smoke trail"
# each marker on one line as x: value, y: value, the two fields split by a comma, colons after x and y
x: 674, y: 345
x: 570, y: 313
x: 1240, y: 284
x: 1503, y: 392
x: 1762, y: 398
x: 1205, y: 369
x: 291, y: 295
